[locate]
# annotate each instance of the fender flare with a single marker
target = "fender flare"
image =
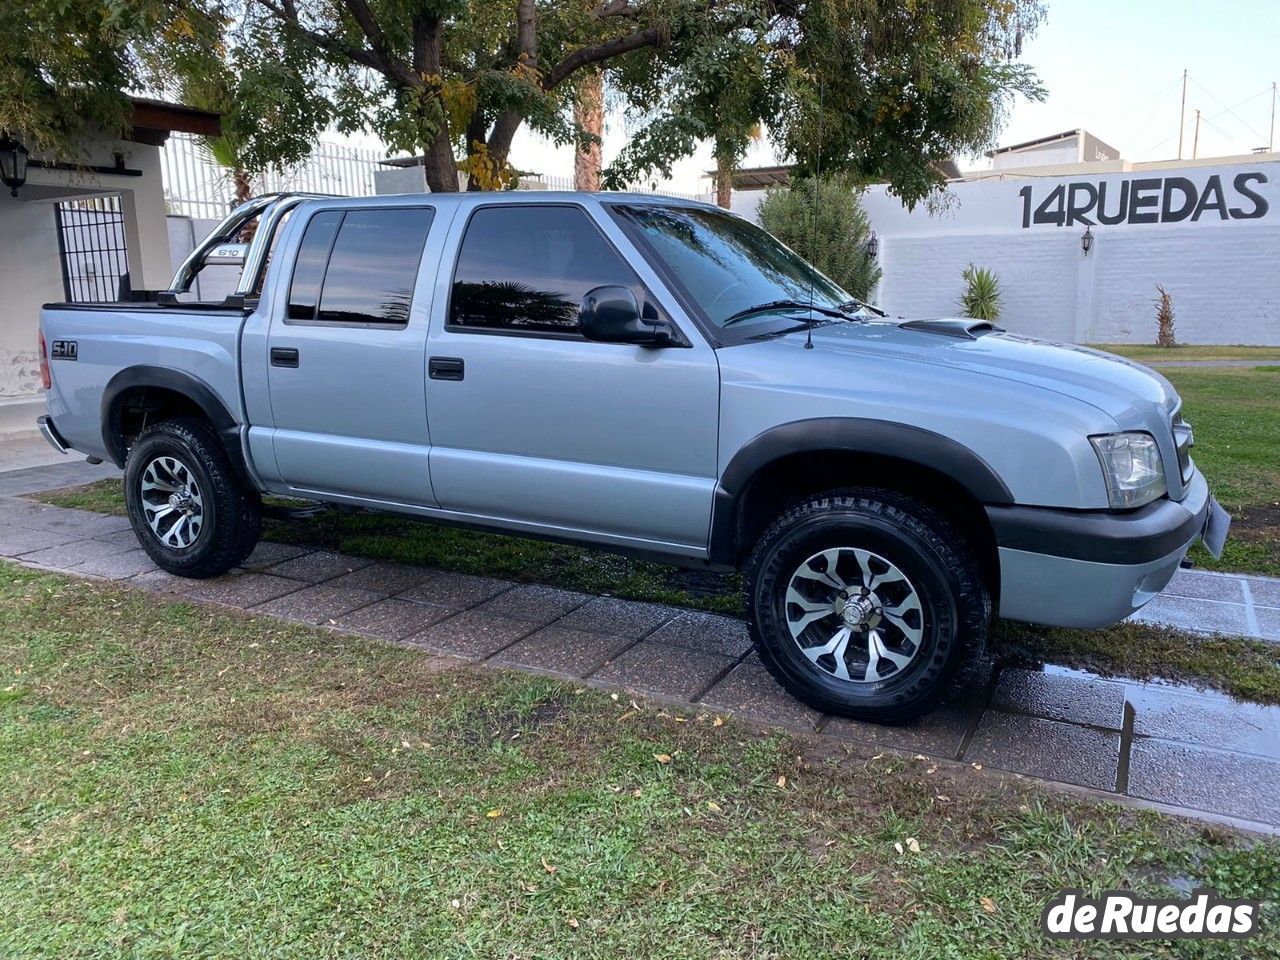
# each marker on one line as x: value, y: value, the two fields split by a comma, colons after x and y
x: 915, y: 445
x: 180, y: 382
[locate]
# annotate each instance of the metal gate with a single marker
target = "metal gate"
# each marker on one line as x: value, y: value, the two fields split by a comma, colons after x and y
x: 91, y: 241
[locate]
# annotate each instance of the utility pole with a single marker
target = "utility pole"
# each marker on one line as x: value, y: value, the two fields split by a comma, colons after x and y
x: 1182, y: 113
x: 1195, y: 144
x: 1271, y: 138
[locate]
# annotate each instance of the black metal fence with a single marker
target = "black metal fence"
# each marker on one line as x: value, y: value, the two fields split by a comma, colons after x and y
x: 91, y: 240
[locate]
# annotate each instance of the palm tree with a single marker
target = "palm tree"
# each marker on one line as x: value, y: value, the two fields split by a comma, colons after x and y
x: 228, y: 149
x: 588, y: 114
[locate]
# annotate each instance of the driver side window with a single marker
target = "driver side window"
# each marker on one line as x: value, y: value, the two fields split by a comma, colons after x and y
x: 525, y: 269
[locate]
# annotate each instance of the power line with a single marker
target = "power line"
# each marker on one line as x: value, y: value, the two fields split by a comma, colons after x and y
x: 1145, y: 116
x: 1231, y: 110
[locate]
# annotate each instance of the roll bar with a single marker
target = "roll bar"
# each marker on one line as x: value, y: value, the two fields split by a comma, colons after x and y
x: 271, y: 207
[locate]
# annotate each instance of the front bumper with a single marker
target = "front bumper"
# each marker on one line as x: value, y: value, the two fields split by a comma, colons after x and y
x: 1092, y: 568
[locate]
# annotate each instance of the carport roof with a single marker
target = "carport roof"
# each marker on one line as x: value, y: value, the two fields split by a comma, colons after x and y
x: 154, y: 120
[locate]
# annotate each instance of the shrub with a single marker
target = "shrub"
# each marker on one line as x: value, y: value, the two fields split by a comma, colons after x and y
x: 824, y: 222
x: 981, y: 297
x: 1164, y: 318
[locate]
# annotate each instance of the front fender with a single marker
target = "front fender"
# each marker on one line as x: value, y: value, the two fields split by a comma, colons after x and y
x: 914, y: 445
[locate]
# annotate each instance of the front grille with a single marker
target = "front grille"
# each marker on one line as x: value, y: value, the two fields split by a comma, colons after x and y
x: 1183, y: 440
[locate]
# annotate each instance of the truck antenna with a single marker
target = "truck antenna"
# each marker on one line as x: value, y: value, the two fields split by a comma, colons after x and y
x: 813, y: 232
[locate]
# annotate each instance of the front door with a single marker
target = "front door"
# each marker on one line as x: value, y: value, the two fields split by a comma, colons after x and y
x: 346, y: 357
x: 534, y: 424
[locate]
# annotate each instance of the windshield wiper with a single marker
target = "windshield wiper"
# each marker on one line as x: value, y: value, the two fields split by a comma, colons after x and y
x: 857, y: 306
x: 779, y: 305
x: 782, y: 332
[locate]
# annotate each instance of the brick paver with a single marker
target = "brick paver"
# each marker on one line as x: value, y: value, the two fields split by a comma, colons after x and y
x: 1198, y: 752
x: 1048, y: 749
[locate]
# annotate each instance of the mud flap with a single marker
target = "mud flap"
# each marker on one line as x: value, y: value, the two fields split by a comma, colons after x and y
x: 1216, y: 525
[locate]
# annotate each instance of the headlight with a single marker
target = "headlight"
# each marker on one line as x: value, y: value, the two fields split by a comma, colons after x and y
x: 1131, y: 467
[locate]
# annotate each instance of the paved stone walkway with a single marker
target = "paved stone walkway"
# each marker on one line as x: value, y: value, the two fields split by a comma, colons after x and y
x: 1196, y: 753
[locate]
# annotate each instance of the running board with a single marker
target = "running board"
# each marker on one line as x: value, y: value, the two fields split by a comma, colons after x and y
x: 274, y: 512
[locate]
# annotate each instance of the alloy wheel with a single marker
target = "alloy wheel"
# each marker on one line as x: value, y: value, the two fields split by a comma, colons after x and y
x: 854, y: 615
x: 172, y: 502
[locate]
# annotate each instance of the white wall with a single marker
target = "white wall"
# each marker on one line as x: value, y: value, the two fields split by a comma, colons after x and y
x: 1223, y: 274
x: 30, y: 274
x: 30, y: 266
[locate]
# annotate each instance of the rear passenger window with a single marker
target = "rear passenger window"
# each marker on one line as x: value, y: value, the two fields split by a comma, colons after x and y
x: 308, y: 268
x: 526, y: 268
x: 358, y: 267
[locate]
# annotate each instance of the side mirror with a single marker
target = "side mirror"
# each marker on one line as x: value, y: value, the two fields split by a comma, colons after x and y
x: 228, y: 254
x: 612, y: 315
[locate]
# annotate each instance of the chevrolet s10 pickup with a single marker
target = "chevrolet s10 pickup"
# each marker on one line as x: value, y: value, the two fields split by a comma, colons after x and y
x: 651, y: 376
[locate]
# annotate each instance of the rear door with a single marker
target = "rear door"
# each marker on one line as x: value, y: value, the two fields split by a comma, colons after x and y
x: 536, y: 425
x: 346, y: 357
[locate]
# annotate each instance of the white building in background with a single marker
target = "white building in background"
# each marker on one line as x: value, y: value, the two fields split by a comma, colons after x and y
x: 85, y: 228
x: 1070, y: 146
x: 1080, y: 238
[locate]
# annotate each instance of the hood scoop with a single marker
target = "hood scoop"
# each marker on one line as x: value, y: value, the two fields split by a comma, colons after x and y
x: 961, y: 327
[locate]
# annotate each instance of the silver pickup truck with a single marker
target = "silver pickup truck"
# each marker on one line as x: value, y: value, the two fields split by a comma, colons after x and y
x: 650, y: 376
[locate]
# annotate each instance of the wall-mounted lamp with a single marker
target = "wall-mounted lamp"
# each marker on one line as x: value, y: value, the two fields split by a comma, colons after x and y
x: 13, y: 163
x: 1086, y: 241
x: 873, y: 245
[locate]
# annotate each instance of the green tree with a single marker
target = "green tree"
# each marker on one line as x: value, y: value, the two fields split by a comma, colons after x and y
x: 893, y: 87
x: 823, y: 221
x: 65, y: 64
x: 711, y: 83
x: 453, y: 79
x: 886, y: 91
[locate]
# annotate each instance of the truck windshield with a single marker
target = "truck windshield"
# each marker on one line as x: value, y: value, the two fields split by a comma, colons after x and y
x: 736, y: 273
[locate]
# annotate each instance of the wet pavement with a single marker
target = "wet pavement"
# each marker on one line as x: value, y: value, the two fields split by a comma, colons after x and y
x: 1193, y: 752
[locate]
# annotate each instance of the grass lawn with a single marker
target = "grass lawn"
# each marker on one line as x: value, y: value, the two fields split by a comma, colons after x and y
x: 1236, y: 415
x: 181, y: 783
x: 1144, y: 352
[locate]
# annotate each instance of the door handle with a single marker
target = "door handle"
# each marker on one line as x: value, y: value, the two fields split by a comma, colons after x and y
x: 284, y: 356
x: 445, y: 368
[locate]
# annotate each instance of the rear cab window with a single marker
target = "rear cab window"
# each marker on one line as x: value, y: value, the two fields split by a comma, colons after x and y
x: 358, y: 267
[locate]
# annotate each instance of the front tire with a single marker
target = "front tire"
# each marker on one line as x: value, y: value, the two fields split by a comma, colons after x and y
x: 188, y: 508
x: 865, y: 603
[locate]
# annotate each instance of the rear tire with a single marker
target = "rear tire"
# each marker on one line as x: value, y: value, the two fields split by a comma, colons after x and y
x: 865, y: 603
x: 189, y: 509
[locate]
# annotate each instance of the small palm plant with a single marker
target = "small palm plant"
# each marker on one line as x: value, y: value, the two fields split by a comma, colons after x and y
x: 228, y: 150
x: 1164, y: 318
x: 981, y: 297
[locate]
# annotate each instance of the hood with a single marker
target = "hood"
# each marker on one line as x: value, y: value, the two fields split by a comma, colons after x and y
x: 1121, y: 388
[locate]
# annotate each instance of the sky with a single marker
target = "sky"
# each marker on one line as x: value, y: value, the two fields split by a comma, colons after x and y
x: 1113, y: 68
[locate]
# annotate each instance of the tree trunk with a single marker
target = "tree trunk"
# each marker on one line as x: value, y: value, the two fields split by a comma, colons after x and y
x: 724, y: 180
x: 588, y: 114
x: 441, y: 167
x: 243, y: 184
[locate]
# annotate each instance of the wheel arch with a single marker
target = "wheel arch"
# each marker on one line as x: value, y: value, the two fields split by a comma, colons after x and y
x: 144, y: 390
x: 787, y: 463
